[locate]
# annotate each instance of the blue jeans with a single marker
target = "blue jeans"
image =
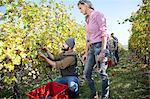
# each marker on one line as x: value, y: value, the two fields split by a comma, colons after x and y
x: 94, y: 50
x: 112, y: 56
x: 73, y: 84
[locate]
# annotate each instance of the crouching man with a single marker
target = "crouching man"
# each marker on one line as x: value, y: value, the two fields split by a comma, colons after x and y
x: 66, y: 63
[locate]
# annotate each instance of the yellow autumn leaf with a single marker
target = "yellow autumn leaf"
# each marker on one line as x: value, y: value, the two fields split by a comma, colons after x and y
x: 16, y: 60
x: 24, y: 78
x: 1, y: 51
x: 1, y: 43
x: 10, y: 66
x: 33, y: 72
x: 1, y: 66
x: 29, y: 73
x: 13, y: 78
x: 23, y: 55
x: 1, y: 15
x: 34, y: 76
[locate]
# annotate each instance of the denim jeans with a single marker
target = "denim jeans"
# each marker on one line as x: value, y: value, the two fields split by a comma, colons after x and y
x: 94, y: 50
x: 112, y: 56
x: 73, y: 84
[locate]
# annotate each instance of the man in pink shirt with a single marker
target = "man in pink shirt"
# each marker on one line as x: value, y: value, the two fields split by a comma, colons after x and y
x: 96, y: 50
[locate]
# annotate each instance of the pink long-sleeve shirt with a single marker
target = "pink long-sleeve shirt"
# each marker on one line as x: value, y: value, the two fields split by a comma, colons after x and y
x: 95, y: 27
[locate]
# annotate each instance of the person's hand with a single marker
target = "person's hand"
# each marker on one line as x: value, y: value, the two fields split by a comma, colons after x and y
x: 44, y: 49
x: 39, y: 49
x: 40, y: 54
x: 84, y: 57
x: 101, y: 55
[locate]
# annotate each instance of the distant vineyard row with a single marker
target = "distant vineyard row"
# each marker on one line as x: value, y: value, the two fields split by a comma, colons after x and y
x: 139, y: 42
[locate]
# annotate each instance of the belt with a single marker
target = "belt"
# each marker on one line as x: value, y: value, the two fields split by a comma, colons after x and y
x: 92, y: 44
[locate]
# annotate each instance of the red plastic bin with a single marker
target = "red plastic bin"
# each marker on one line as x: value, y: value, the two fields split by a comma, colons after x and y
x: 52, y: 90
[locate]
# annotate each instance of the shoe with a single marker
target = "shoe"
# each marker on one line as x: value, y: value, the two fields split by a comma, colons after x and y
x: 104, y: 98
x: 93, y: 97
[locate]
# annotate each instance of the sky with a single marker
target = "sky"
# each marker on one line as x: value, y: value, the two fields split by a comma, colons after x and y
x: 113, y: 10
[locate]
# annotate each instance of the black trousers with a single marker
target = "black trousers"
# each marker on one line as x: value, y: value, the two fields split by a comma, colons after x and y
x: 116, y: 55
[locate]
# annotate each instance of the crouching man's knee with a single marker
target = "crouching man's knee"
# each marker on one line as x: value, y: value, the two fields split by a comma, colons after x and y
x: 74, y: 90
x: 74, y: 87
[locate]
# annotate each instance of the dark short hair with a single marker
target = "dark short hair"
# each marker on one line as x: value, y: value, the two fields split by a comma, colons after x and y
x: 83, y: 2
x: 112, y: 33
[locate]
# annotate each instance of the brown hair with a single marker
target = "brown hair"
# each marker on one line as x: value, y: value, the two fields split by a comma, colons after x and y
x: 83, y: 2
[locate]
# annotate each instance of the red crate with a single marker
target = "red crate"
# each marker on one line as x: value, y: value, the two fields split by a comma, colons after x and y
x: 53, y: 89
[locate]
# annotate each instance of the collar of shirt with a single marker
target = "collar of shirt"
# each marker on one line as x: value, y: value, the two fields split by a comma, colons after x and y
x: 88, y: 18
